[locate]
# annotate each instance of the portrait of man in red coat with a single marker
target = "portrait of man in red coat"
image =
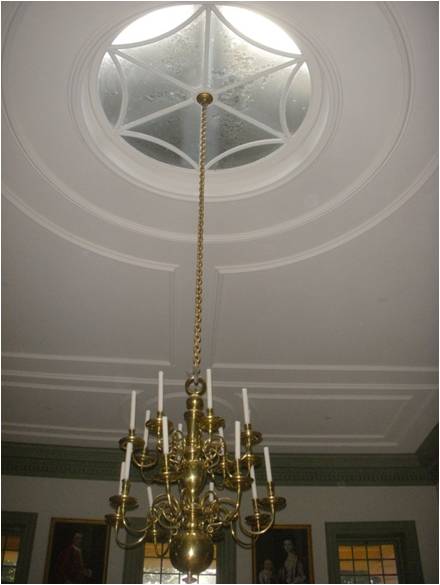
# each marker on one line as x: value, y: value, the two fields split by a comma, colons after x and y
x: 70, y: 566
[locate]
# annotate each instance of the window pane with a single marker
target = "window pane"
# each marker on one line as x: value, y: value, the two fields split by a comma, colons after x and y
x: 8, y: 574
x: 388, y: 551
x: 168, y: 567
x: 205, y: 578
x: 11, y: 557
x: 373, y: 552
x: 375, y: 567
x: 361, y: 566
x: 149, y: 550
x: 346, y: 566
x: 12, y: 542
x: 359, y: 552
x: 151, y: 578
x: 177, y: 55
x: 345, y: 552
x: 376, y: 579
x: 347, y: 579
x: 152, y: 565
x: 362, y: 579
x: 391, y: 579
x: 170, y: 578
x: 389, y: 567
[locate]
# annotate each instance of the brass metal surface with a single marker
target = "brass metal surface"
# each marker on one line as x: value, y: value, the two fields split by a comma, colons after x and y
x: 190, y: 519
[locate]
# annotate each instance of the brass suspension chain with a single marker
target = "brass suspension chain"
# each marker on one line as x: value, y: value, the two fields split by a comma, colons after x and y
x: 204, y: 100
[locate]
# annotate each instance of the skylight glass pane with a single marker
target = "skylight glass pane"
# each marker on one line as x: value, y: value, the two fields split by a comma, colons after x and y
x: 226, y: 131
x: 181, y: 50
x: 260, y: 98
x: 110, y: 90
x: 157, y: 152
x: 153, y: 24
x: 178, y: 55
x: 298, y: 99
x: 148, y: 92
x: 179, y: 128
x: 259, y: 29
x: 244, y: 157
x: 234, y: 59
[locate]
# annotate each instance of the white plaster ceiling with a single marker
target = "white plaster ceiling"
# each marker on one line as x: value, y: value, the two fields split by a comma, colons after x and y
x: 321, y: 286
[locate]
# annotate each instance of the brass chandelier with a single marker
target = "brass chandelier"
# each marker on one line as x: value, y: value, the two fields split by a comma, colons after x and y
x: 190, y: 516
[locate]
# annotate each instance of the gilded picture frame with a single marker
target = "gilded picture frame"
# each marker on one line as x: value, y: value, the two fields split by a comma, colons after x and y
x: 284, y: 554
x: 77, y: 551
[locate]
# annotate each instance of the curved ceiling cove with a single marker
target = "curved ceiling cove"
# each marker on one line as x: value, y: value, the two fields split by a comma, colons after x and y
x: 319, y: 255
x: 339, y: 173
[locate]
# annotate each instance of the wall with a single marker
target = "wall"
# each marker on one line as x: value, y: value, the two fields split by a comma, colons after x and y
x: 317, y: 505
x: 306, y: 505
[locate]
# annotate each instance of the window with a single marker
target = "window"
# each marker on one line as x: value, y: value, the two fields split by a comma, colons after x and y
x: 142, y: 566
x: 10, y: 552
x: 373, y: 552
x: 154, y: 68
x: 157, y: 570
x: 18, y: 530
x: 368, y: 562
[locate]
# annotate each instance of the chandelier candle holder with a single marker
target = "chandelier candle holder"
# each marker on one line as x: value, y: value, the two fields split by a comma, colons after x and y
x: 193, y: 467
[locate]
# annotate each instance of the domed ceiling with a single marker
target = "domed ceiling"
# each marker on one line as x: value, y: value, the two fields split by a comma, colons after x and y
x: 321, y: 253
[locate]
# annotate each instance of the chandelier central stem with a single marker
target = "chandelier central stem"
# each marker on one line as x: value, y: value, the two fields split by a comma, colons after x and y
x: 204, y: 99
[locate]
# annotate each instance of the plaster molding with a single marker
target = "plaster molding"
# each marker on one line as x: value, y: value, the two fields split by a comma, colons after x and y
x: 322, y: 117
x: 403, y: 48
x: 41, y: 460
x: 146, y: 381
x: 342, y: 239
x: 323, y: 367
x: 45, y: 223
x: 84, y: 359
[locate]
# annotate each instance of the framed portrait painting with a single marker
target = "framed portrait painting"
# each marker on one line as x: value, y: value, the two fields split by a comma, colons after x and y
x: 284, y: 555
x: 77, y: 551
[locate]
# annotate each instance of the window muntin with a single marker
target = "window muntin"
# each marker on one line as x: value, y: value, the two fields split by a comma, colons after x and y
x: 368, y: 562
x: 147, y: 86
x: 160, y: 570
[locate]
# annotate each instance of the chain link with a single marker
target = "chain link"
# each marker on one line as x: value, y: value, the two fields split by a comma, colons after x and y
x: 197, y: 344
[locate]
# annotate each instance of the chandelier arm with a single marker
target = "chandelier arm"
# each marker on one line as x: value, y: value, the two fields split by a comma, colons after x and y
x: 126, y: 545
x: 163, y: 553
x: 135, y: 531
x: 243, y: 544
x: 255, y: 533
x: 232, y: 514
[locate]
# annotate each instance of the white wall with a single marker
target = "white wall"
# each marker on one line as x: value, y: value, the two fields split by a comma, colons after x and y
x: 306, y: 505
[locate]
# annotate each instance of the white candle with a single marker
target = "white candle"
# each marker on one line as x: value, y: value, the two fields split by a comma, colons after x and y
x: 160, y: 393
x: 165, y: 446
x: 146, y: 431
x: 209, y: 388
x: 128, y: 455
x: 267, y: 463
x: 150, y: 496
x: 133, y: 410
x: 247, y: 416
x: 254, y: 483
x: 211, y: 490
x: 237, y: 440
x: 121, y: 476
x: 180, y: 427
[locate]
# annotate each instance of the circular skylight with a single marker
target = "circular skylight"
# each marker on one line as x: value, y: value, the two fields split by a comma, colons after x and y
x: 152, y: 72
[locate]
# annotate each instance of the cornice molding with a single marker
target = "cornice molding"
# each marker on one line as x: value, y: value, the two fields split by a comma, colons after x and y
x: 102, y: 464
